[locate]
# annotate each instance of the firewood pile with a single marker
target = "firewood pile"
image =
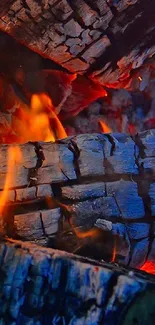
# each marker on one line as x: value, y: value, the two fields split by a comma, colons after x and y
x: 77, y: 211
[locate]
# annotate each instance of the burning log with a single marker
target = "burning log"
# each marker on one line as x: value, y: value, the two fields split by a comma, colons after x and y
x: 106, y: 40
x: 88, y: 191
x: 44, y: 286
x: 24, y: 73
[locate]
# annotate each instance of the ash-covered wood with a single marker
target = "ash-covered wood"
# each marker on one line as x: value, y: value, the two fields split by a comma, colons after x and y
x: 37, y: 225
x: 106, y: 40
x: 45, y: 286
x: 92, y: 194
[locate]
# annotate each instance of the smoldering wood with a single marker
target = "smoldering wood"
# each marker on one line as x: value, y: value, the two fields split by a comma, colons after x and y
x: 44, y: 285
x: 82, y: 206
x: 86, y: 37
x: 4, y: 6
x: 79, y: 157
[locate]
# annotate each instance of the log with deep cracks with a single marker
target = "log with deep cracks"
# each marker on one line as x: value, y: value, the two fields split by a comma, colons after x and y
x: 45, y: 286
x: 106, y: 41
x: 98, y: 185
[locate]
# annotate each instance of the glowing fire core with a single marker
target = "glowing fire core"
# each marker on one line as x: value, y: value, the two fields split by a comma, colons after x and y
x: 39, y: 122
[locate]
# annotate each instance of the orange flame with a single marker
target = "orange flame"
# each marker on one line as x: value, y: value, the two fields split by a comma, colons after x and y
x: 14, y: 158
x: 85, y: 234
x: 114, y: 253
x: 104, y: 127
x: 39, y: 122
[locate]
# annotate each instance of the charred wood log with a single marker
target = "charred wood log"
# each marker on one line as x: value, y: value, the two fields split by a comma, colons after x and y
x: 44, y: 286
x: 90, y: 191
x: 105, y: 40
x: 24, y: 73
x: 4, y: 6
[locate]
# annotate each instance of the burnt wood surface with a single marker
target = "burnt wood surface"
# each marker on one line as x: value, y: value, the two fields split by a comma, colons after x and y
x: 106, y: 40
x: 44, y: 287
x: 89, y: 194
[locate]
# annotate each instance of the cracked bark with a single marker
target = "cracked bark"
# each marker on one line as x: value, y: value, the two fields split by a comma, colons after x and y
x: 45, y: 286
x: 105, y: 40
x: 87, y: 184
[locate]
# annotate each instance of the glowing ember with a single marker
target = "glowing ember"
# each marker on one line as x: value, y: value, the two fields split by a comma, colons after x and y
x: 14, y: 158
x: 114, y: 253
x: 140, y: 78
x: 148, y: 267
x: 86, y: 234
x: 104, y: 127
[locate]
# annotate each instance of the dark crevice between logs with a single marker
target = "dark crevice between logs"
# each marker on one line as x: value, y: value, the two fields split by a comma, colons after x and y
x: 77, y: 17
x: 56, y: 189
x: 98, y: 247
x: 65, y: 231
x: 112, y: 8
x: 76, y: 152
x: 68, y: 179
x: 113, y: 145
x: 8, y: 222
x: 143, y: 188
x: 122, y: 44
x: 55, y: 3
x: 106, y: 164
x: 65, y: 239
x: 92, y: 5
x: 33, y: 172
x: 128, y: 237
x: 141, y: 148
x: 110, y: 291
x: 42, y: 225
x: 25, y: 5
x: 29, y: 206
x: 20, y: 208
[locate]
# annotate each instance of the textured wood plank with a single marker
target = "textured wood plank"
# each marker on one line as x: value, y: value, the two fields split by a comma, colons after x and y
x: 121, y: 160
x: 82, y: 192
x: 93, y: 213
x: 50, y: 220
x: 46, y: 281
x: 29, y: 225
x: 81, y: 156
x: 146, y: 141
x: 50, y: 27
x: 84, y: 214
x: 89, y: 152
x: 127, y: 197
x: 38, y: 224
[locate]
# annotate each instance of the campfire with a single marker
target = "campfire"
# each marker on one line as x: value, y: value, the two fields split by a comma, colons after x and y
x: 77, y: 144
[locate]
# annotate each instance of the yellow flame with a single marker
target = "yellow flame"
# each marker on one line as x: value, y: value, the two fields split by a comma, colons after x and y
x: 39, y: 122
x: 104, y: 127
x: 14, y: 158
x: 42, y: 115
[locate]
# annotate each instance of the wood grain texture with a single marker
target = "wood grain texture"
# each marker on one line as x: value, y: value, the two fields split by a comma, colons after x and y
x: 43, y: 286
x: 100, y: 184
